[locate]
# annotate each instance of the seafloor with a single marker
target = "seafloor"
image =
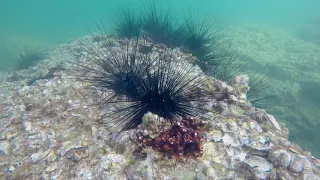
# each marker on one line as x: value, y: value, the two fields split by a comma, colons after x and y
x: 49, y: 129
x: 295, y: 77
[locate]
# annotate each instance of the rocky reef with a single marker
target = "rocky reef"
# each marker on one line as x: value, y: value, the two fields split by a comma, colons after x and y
x: 310, y: 30
x: 295, y: 77
x: 50, y: 130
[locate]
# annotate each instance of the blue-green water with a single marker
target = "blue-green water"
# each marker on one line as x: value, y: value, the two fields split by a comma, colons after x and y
x: 41, y: 23
x: 55, y: 21
x: 59, y: 20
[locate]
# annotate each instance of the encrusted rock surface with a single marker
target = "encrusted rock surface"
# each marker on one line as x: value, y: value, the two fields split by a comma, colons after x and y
x: 50, y: 131
x: 295, y: 79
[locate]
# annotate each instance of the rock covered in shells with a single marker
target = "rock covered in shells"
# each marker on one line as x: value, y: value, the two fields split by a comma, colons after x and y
x: 230, y: 139
x: 280, y: 158
x: 300, y: 163
x: 242, y: 84
x: 50, y: 131
x: 214, y: 135
x: 260, y: 166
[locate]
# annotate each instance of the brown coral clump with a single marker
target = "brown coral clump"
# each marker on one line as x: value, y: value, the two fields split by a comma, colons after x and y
x: 183, y: 140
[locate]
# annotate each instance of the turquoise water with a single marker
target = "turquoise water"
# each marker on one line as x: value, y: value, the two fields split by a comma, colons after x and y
x: 59, y: 20
x: 51, y: 22
x: 39, y: 23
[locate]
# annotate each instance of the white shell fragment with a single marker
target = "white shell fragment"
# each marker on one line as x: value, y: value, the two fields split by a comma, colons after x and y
x: 230, y: 139
x: 274, y: 122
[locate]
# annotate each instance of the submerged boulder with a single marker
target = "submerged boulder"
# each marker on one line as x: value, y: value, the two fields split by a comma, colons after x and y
x: 62, y: 136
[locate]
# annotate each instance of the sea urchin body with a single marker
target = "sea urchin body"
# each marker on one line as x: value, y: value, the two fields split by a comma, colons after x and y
x: 158, y: 82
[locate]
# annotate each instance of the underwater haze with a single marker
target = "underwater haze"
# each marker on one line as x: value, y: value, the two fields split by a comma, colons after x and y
x: 55, y: 21
x: 280, y: 35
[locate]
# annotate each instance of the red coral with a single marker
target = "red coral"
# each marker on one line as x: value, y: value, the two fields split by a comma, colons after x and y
x: 183, y: 139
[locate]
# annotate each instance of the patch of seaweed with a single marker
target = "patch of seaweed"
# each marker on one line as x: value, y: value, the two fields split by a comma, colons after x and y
x: 183, y: 140
x: 29, y: 57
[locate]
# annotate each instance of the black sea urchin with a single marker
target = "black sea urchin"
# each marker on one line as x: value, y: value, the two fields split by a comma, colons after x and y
x: 195, y: 34
x: 116, y: 69
x: 257, y: 94
x: 204, y: 41
x: 156, y: 82
x: 168, y: 90
x: 198, y: 37
x: 161, y: 26
x: 127, y: 23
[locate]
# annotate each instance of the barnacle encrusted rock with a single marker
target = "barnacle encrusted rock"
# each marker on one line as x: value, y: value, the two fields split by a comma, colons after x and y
x: 50, y: 130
